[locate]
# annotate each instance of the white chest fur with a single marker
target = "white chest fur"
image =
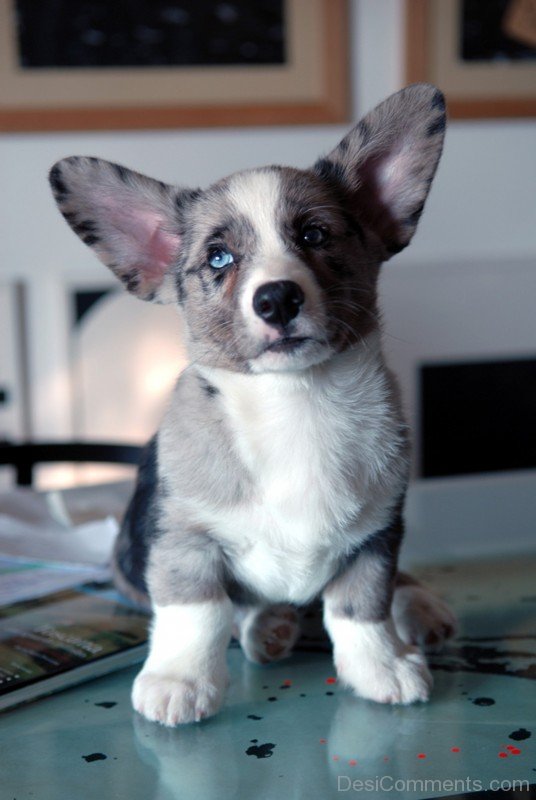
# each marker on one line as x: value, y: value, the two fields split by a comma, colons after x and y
x: 325, y: 454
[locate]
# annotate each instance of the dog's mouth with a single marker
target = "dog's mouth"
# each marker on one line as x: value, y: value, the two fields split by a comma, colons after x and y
x: 287, y: 344
x: 290, y: 353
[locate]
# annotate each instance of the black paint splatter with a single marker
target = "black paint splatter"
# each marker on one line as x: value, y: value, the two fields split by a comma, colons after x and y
x: 94, y: 757
x: 330, y: 693
x: 253, y: 716
x: 303, y: 695
x: 272, y: 699
x: 489, y: 656
x: 261, y: 750
x: 484, y: 701
x: 106, y: 704
x: 520, y: 735
x: 285, y: 686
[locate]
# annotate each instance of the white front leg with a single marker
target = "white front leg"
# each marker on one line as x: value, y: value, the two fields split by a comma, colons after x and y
x: 373, y: 661
x: 185, y: 675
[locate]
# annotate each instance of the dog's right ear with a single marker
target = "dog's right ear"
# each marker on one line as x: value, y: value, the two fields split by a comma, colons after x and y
x: 133, y: 223
x: 385, y: 165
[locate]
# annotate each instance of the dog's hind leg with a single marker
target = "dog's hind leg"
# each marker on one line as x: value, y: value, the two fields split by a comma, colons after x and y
x: 266, y: 633
x: 421, y: 617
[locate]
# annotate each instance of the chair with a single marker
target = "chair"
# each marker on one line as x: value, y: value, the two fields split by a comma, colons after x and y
x: 25, y: 456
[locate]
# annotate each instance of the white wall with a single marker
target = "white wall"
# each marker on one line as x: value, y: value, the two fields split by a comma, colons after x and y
x: 477, y: 237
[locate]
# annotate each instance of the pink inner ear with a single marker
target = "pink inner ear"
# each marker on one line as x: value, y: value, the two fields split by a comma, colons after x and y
x: 146, y: 245
x: 393, y: 178
x: 161, y: 247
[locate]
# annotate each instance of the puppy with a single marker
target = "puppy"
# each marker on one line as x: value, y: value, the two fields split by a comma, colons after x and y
x: 279, y: 471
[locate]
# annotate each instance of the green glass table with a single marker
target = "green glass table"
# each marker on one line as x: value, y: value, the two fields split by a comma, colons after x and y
x: 290, y: 731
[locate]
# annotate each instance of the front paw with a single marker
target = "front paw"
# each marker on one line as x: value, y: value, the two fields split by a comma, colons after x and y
x: 404, y: 679
x: 175, y: 700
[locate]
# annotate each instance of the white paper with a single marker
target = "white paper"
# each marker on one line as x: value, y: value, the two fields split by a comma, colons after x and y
x: 39, y: 526
x: 26, y: 580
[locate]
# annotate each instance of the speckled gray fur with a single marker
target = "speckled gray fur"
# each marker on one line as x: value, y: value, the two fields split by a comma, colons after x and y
x: 156, y: 240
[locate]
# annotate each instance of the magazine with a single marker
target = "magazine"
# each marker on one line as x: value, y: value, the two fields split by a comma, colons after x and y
x: 56, y: 640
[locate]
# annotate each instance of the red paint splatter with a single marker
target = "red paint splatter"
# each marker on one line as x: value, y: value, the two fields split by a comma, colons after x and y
x: 352, y: 762
x: 335, y: 758
x: 287, y: 682
x: 386, y: 758
x: 331, y: 680
x: 421, y: 755
x: 455, y: 749
x: 514, y: 750
x: 322, y: 741
x: 503, y: 755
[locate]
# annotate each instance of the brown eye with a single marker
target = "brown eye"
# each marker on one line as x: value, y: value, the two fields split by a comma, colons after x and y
x: 313, y: 236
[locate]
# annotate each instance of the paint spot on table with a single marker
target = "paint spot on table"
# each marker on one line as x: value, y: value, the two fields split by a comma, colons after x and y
x: 94, y: 757
x: 303, y: 695
x: 520, y: 734
x: 253, y: 716
x: 330, y: 693
x: 484, y: 701
x: 502, y: 754
x: 335, y: 758
x: 485, y: 655
x: 261, y: 750
x: 322, y: 741
x: 106, y: 704
x: 515, y: 751
x: 272, y: 699
x: 421, y: 755
x: 454, y: 749
x: 352, y: 762
x: 331, y: 680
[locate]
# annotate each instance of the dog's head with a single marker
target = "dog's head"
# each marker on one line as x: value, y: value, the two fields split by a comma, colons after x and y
x: 274, y: 268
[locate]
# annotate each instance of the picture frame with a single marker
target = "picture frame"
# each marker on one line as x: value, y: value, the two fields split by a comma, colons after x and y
x: 479, y: 86
x: 310, y: 86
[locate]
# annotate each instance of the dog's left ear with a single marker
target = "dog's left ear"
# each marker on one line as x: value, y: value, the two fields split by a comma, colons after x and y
x: 133, y: 224
x: 385, y: 165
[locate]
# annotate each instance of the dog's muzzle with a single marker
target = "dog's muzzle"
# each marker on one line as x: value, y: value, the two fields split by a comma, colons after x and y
x: 278, y: 302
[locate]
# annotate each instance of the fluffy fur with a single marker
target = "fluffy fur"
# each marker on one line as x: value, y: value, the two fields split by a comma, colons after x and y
x: 279, y: 471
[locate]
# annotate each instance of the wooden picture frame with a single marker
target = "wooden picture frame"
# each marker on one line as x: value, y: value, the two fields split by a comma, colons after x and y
x: 311, y: 86
x: 477, y: 89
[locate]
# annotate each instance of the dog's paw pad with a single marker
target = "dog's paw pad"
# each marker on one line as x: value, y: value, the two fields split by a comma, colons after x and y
x: 173, y: 700
x: 270, y: 634
x: 422, y: 618
x: 403, y: 680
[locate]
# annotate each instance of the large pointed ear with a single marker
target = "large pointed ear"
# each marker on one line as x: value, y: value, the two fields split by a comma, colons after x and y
x: 133, y: 223
x: 385, y: 165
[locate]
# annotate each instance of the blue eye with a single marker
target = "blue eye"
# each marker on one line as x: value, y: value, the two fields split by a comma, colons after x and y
x: 220, y: 257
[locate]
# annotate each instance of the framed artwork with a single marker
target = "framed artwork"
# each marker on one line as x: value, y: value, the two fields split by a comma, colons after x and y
x: 92, y: 64
x: 481, y: 53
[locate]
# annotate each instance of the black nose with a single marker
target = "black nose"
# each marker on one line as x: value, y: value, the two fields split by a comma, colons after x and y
x: 279, y: 302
